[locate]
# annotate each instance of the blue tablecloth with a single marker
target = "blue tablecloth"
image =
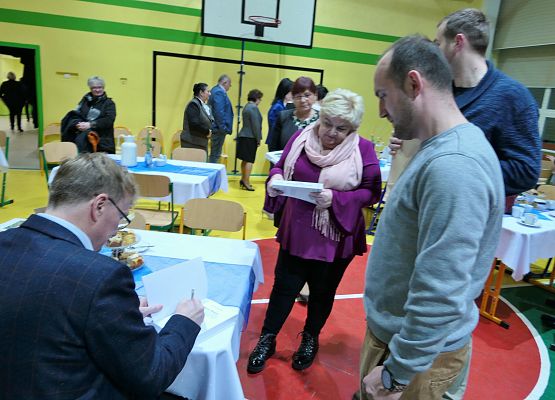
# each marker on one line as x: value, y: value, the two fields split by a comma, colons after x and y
x: 537, y: 212
x: 228, y: 284
x: 213, y: 175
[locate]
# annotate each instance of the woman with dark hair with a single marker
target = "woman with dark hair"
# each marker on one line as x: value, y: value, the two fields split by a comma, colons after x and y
x: 197, y: 119
x: 281, y: 99
x: 290, y: 121
x: 249, y: 137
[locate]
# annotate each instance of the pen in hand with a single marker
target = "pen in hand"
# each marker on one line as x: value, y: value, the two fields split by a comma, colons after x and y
x: 192, y: 294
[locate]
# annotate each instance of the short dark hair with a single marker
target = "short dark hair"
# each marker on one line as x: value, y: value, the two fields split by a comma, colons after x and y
x: 472, y: 23
x: 303, y: 84
x: 419, y: 53
x: 322, y: 91
x: 282, y: 89
x: 254, y: 95
x: 199, y: 87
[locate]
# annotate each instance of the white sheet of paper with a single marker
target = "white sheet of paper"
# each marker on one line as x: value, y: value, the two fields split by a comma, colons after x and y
x: 298, y: 190
x: 171, y: 285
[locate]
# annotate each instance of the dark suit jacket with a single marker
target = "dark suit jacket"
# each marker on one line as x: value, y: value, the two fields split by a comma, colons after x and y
x: 196, y: 125
x: 283, y: 129
x: 222, y: 109
x: 252, y: 122
x: 70, y: 323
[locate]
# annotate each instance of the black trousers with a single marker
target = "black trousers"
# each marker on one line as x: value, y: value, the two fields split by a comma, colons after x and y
x: 291, y: 274
x: 15, y: 113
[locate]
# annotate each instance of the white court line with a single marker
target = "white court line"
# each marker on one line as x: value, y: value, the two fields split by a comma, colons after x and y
x: 545, y: 365
x: 337, y: 297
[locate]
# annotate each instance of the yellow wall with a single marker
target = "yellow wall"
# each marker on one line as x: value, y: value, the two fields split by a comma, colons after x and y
x: 70, y: 43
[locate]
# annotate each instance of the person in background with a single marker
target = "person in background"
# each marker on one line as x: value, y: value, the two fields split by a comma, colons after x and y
x: 290, y: 121
x: 502, y: 107
x: 282, y: 97
x: 96, y: 112
x: 322, y: 91
x: 223, y: 116
x: 12, y: 94
x: 318, y: 239
x: 72, y: 325
x: 427, y: 267
x: 249, y: 137
x: 197, y: 119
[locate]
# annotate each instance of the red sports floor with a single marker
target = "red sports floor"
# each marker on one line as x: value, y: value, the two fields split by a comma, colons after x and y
x: 505, y: 363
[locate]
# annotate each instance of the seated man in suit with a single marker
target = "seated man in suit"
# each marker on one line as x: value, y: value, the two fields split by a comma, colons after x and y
x: 72, y: 326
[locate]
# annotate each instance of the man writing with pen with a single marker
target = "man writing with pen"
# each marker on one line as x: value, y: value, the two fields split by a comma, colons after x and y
x: 72, y: 324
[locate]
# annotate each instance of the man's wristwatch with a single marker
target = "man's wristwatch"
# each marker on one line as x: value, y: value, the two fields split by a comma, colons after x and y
x: 389, y: 383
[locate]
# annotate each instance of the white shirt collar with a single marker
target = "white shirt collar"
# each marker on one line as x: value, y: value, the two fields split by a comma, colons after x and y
x: 82, y: 236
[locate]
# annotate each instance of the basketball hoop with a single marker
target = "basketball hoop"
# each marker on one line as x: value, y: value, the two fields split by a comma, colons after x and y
x: 262, y: 22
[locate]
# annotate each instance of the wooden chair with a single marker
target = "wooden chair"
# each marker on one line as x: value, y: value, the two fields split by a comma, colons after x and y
x: 39, y: 210
x: 176, y: 140
x: 138, y: 222
x: 156, y: 186
x: 548, y: 191
x: 4, y: 144
x: 186, y: 154
x: 155, y: 136
x: 52, y: 133
x: 119, y: 131
x: 208, y: 214
x: 156, y: 149
x: 56, y: 152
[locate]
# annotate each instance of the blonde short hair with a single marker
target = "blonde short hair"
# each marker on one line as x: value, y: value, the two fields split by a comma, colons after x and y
x: 345, y: 104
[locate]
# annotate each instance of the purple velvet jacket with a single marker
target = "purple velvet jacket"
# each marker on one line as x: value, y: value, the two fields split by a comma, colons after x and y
x: 296, y: 234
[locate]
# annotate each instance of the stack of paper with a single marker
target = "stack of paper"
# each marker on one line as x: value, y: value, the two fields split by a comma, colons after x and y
x: 298, y: 190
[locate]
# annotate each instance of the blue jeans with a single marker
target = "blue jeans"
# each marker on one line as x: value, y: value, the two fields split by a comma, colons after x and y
x: 217, y: 139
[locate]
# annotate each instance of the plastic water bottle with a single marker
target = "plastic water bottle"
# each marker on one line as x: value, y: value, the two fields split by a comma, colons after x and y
x: 148, y: 159
x: 128, y: 151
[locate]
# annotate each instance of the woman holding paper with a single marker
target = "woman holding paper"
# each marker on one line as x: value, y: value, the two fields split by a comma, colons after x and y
x: 318, y: 239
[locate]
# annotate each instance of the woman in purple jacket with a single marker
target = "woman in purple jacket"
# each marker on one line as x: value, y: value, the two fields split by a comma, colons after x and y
x: 318, y: 241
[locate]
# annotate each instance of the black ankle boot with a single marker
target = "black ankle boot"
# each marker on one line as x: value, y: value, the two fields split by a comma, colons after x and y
x: 264, y: 349
x: 304, y: 356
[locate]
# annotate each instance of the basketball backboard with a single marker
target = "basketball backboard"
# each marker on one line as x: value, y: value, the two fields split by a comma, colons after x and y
x: 292, y: 20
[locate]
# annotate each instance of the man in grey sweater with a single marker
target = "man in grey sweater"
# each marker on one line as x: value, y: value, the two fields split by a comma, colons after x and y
x: 437, y: 236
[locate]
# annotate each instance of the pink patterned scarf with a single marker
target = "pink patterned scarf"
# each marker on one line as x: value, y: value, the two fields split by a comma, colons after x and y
x: 341, y: 169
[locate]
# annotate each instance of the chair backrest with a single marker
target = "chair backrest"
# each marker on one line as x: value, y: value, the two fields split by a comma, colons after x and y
x: 548, y: 191
x: 138, y: 222
x: 156, y: 149
x: 176, y: 140
x: 39, y: 210
x: 3, y: 139
x: 57, y: 152
x: 52, y: 129
x: 547, y: 164
x: 152, y: 185
x: 121, y: 130
x: 545, y: 173
x: 186, y: 154
x: 224, y: 215
x: 155, y: 135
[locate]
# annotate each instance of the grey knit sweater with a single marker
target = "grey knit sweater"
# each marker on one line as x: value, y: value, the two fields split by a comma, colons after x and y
x: 433, y: 249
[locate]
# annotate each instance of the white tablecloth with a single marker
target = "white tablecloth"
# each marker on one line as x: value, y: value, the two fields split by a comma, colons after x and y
x: 520, y: 245
x: 3, y: 162
x: 210, y: 372
x: 185, y: 187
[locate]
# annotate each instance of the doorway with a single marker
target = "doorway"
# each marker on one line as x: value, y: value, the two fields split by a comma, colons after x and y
x: 24, y: 61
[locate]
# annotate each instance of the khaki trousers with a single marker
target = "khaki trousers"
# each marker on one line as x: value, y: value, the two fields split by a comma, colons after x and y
x: 428, y: 385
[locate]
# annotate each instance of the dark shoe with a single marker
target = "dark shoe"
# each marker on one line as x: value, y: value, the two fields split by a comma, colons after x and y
x: 265, y: 348
x: 243, y: 186
x: 304, y: 356
x: 356, y: 395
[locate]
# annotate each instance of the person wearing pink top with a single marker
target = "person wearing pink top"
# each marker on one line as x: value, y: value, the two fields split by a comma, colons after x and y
x: 318, y: 241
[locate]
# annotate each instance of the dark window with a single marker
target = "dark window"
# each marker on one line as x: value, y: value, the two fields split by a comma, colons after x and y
x: 551, y: 103
x: 538, y: 95
x: 549, y: 130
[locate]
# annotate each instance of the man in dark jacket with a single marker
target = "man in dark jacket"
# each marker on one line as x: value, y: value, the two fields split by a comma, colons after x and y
x: 95, y: 112
x: 72, y: 326
x: 13, y: 95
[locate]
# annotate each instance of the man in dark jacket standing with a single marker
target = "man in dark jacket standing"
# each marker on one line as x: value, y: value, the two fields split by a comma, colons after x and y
x: 95, y: 112
x: 13, y: 95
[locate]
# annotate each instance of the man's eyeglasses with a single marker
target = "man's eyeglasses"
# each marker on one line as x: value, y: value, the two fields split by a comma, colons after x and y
x: 303, y: 96
x: 121, y: 213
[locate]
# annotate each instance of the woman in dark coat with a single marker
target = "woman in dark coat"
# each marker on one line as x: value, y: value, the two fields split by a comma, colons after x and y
x: 249, y: 137
x: 96, y: 112
x: 13, y: 95
x: 197, y: 119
